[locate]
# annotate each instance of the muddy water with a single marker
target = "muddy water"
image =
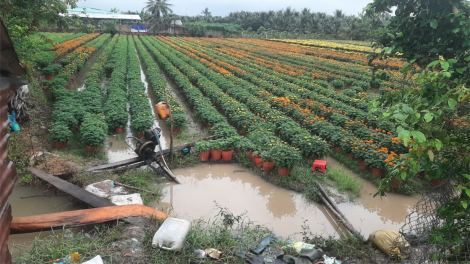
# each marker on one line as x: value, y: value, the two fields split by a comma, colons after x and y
x: 284, y: 211
x: 43, y: 202
x: 368, y: 214
x: 239, y: 190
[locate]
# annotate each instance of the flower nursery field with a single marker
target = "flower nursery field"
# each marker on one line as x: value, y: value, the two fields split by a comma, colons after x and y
x: 283, y: 101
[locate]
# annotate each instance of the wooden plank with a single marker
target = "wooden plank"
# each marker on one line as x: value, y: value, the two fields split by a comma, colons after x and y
x: 138, y: 159
x: 80, y: 218
x: 115, y: 164
x: 72, y: 189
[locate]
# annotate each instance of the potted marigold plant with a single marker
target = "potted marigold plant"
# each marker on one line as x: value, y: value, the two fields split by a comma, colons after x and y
x: 268, y: 163
x: 93, y: 132
x: 376, y: 161
x: 60, y: 134
x: 203, y: 148
x: 285, y: 158
x: 216, y: 150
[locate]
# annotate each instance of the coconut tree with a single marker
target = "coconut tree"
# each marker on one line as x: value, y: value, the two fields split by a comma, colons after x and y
x: 206, y: 12
x: 159, y: 8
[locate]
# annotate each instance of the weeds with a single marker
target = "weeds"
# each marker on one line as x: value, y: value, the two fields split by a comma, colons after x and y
x: 410, y: 188
x: 346, y: 248
x: 60, y: 245
x: 242, y: 234
x: 343, y: 181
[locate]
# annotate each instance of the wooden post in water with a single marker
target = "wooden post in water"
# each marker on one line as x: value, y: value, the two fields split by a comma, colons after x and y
x: 171, y: 124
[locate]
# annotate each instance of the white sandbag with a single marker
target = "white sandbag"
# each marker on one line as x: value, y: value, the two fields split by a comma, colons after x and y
x: 95, y: 260
x: 126, y: 199
x: 105, y: 189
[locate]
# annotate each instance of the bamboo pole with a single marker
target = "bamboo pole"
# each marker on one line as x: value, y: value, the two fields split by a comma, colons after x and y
x: 171, y: 125
x: 335, y: 210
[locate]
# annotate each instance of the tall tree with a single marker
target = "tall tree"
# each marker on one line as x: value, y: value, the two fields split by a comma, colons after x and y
x: 432, y: 110
x: 159, y: 8
x: 206, y: 12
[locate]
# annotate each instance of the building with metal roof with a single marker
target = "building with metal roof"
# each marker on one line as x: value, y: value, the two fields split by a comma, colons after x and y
x: 93, y: 13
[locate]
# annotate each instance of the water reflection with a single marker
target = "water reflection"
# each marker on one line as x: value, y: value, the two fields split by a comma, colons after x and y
x: 282, y: 210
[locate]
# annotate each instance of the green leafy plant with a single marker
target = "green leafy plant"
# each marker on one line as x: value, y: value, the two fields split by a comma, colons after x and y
x: 60, y: 132
x: 203, y: 146
x: 93, y: 130
x: 337, y: 84
x: 285, y: 156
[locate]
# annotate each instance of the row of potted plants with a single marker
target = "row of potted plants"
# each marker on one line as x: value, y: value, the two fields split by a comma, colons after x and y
x: 45, y: 58
x: 92, y: 100
x: 58, y: 38
x: 115, y: 107
x: 284, y: 127
x: 299, y: 86
x: 71, y: 107
x: 159, y: 84
x: 237, y: 112
x: 140, y: 108
x: 200, y: 104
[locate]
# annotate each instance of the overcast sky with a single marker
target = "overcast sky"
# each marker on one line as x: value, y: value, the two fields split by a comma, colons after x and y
x: 224, y: 7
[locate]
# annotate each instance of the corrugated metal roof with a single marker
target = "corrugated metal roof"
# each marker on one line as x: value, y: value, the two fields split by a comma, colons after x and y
x: 98, y: 13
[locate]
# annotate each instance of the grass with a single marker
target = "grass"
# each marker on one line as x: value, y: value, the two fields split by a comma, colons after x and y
x: 351, y: 248
x: 343, y: 182
x: 60, y: 245
x: 215, y: 233
x: 187, y: 136
x: 411, y: 187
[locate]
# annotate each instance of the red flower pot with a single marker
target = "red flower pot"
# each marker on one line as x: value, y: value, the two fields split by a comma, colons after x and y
x: 140, y: 134
x: 54, y: 98
x: 92, y: 148
x: 203, y: 155
x: 208, y: 127
x: 60, y: 145
x: 176, y: 130
x: 363, y: 166
x: 227, y: 155
x: 338, y: 90
x: 47, y: 88
x: 250, y: 155
x: 216, y: 154
x: 119, y: 130
x: 268, y: 166
x: 377, y: 173
x: 397, y: 183
x: 351, y: 156
x: 436, y: 183
x: 48, y: 77
x: 108, y: 75
x: 242, y: 132
x: 337, y: 149
x: 284, y: 172
x: 420, y: 175
x: 259, y: 162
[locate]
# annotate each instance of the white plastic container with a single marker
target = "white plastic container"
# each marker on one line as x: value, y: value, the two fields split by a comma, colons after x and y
x: 171, y: 234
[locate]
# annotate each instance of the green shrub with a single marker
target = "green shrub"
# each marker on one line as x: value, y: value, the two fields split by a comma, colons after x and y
x: 60, y: 132
x: 337, y: 84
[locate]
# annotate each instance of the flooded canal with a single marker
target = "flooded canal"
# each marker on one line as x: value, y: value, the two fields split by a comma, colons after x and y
x: 35, y: 200
x: 282, y: 210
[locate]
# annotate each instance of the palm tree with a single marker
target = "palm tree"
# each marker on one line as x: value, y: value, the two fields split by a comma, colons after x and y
x: 339, y: 13
x: 159, y: 8
x: 206, y: 12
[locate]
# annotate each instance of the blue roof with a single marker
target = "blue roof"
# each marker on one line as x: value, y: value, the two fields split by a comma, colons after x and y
x: 90, y: 10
